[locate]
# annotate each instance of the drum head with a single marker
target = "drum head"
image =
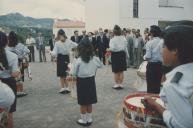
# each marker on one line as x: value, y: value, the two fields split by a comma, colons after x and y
x: 133, y: 102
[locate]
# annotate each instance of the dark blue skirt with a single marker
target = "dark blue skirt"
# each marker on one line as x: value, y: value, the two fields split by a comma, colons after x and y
x: 62, y: 65
x: 86, y: 91
x: 118, y: 60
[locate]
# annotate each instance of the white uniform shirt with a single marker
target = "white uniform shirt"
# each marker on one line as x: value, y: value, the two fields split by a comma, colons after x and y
x: 20, y: 50
x: 12, y: 65
x: 178, y: 97
x: 63, y: 48
x: 154, y: 50
x: 117, y: 44
x: 83, y: 70
x: 7, y: 96
x: 30, y: 41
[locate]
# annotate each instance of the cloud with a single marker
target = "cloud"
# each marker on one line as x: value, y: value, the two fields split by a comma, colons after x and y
x: 44, y: 8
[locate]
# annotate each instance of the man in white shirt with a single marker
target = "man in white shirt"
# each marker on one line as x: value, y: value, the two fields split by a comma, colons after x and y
x: 30, y: 42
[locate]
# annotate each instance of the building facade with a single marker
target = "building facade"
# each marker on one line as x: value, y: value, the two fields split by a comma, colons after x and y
x: 68, y: 26
x: 135, y: 13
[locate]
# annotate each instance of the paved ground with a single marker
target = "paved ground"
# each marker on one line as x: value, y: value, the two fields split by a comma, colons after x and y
x: 44, y: 107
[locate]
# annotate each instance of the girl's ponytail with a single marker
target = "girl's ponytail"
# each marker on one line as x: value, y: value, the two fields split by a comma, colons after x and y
x: 3, y: 57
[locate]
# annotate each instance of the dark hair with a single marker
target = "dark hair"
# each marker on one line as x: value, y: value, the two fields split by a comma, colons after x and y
x: 117, y: 30
x: 155, y: 30
x: 181, y: 38
x: 106, y: 30
x: 3, y: 43
x: 75, y: 31
x: 13, y: 39
x: 85, y: 50
x: 61, y: 33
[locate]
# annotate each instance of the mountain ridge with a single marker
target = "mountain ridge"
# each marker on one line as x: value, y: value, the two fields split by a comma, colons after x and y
x: 19, y: 20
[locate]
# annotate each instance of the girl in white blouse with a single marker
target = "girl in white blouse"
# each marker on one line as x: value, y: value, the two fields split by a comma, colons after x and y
x: 118, y: 47
x: 85, y: 70
x: 62, y: 50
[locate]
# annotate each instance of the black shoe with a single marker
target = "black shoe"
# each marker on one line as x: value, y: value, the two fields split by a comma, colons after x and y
x: 89, y: 123
x: 67, y: 91
x: 63, y: 92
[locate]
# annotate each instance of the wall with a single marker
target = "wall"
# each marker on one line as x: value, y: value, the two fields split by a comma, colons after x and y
x: 101, y: 13
x: 146, y: 17
x: 106, y: 13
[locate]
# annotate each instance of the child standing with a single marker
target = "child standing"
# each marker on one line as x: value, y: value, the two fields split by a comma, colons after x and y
x: 177, y: 92
x: 62, y: 50
x: 85, y: 69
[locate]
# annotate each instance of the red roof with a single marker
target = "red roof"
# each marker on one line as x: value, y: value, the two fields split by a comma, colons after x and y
x: 69, y: 24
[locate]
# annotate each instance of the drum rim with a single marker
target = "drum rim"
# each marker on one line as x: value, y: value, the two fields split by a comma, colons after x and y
x: 138, y: 109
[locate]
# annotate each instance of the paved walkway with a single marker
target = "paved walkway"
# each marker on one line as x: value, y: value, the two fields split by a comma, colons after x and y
x: 44, y: 107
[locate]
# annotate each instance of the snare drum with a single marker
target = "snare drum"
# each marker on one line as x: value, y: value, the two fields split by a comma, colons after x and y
x: 141, y: 72
x: 135, y: 114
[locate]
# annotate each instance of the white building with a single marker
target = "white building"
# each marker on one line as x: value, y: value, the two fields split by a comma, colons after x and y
x: 135, y: 13
x: 68, y: 26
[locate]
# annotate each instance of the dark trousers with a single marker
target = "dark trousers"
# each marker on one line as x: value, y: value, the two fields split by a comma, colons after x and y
x: 31, y: 55
x: 102, y: 56
x: 131, y: 56
x: 153, y: 77
x: 42, y: 53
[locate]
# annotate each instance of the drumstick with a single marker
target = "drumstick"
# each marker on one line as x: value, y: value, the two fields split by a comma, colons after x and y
x: 144, y: 103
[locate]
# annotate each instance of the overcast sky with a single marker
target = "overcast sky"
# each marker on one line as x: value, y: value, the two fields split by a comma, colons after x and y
x: 72, y: 9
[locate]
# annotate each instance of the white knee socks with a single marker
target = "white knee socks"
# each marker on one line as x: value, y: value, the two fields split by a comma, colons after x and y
x: 83, y: 118
x: 89, y: 117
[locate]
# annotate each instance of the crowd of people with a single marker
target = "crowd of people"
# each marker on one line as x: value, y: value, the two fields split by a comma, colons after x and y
x: 171, y: 49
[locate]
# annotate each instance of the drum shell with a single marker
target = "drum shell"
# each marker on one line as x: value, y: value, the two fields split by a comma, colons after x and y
x: 138, y: 117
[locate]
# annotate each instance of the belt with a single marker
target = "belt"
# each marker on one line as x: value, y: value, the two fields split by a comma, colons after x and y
x: 155, y: 62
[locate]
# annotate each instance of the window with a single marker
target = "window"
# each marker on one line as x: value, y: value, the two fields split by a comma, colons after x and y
x: 135, y: 8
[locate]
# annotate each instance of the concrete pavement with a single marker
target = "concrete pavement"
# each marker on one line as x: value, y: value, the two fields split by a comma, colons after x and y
x: 44, y: 107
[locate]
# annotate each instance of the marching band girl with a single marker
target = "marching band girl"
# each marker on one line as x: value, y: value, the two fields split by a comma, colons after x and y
x: 85, y: 70
x: 62, y: 50
x: 8, y: 72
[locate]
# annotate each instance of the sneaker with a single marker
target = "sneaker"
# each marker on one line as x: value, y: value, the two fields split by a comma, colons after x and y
x: 116, y: 86
x: 62, y: 90
x: 21, y: 94
x: 121, y: 86
x: 89, y: 122
x: 67, y: 90
x: 82, y: 123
